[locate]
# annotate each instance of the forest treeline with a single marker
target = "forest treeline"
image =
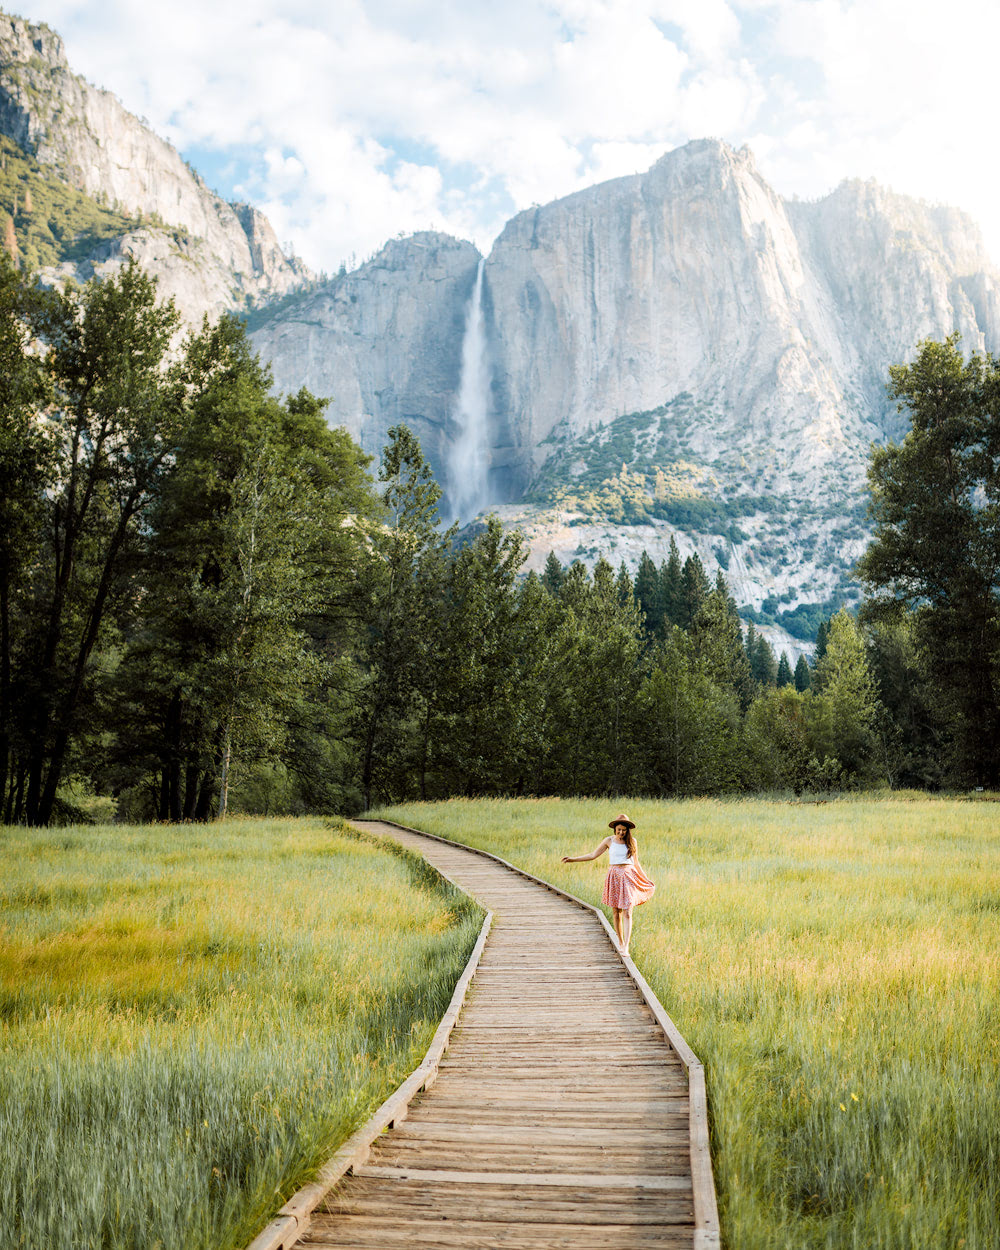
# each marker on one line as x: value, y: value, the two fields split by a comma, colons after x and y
x: 210, y: 599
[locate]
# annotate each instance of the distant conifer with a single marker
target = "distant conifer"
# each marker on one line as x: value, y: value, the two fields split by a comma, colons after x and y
x: 672, y: 585
x: 554, y: 574
x: 803, y: 674
x: 822, y: 631
x: 648, y: 594
x: 784, y: 677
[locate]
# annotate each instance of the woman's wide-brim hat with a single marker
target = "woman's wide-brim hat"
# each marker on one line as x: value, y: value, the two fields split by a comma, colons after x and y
x: 621, y: 819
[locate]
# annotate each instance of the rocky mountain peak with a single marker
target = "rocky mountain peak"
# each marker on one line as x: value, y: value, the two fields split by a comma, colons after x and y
x: 87, y: 139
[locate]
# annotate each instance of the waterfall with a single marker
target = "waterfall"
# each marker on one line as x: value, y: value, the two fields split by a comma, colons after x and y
x: 468, y: 460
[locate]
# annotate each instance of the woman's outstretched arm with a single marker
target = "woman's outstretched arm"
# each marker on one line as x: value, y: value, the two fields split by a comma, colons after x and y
x: 576, y: 859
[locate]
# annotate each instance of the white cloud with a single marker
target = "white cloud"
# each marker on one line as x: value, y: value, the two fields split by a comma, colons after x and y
x: 369, y: 117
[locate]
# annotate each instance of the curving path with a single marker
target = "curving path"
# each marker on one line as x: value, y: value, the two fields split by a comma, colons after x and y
x: 560, y: 1114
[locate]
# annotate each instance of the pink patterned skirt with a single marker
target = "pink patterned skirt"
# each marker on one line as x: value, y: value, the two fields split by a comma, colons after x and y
x: 626, y: 886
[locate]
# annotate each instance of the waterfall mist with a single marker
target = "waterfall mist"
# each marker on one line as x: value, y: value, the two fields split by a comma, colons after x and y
x: 468, y: 459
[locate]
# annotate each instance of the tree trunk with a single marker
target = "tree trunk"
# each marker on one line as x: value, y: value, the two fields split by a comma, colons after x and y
x: 43, y: 811
x: 224, y: 774
x: 206, y: 793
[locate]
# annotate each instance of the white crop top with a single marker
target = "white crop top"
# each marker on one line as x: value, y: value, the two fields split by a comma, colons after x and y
x: 618, y: 852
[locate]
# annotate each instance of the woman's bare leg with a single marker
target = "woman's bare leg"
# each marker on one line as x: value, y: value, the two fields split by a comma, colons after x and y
x: 626, y: 928
x: 617, y: 919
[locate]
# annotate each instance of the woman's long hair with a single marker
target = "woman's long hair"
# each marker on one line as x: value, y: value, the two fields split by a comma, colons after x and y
x: 629, y: 840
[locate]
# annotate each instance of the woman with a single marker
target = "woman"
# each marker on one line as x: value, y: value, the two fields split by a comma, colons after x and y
x: 626, y: 885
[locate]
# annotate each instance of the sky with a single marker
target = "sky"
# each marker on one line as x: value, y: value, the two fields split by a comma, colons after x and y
x: 352, y: 121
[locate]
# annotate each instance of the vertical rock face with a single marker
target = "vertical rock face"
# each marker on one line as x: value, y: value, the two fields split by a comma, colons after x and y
x: 894, y: 271
x: 383, y: 342
x: 88, y: 139
x: 730, y: 348
x: 696, y: 278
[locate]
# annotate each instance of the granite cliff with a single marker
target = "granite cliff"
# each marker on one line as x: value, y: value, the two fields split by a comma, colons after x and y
x: 209, y: 255
x: 677, y: 352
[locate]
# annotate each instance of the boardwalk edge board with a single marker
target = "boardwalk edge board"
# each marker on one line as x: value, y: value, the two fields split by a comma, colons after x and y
x: 293, y: 1218
x: 706, y: 1210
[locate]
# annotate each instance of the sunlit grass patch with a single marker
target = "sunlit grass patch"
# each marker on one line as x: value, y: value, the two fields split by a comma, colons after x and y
x: 836, y: 968
x: 192, y: 1018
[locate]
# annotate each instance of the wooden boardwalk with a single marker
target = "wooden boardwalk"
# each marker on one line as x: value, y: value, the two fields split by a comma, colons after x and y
x: 559, y: 1116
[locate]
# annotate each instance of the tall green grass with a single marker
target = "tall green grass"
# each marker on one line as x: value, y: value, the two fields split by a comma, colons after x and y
x: 193, y: 1018
x: 837, y: 969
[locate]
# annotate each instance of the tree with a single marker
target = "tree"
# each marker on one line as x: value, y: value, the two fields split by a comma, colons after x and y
x: 690, y: 742
x: 776, y: 751
x: 27, y: 467
x: 554, y: 574
x: 717, y: 640
x: 803, y: 674
x: 822, y: 630
x: 784, y: 674
x: 236, y: 650
x: 648, y: 594
x: 694, y: 590
x: 400, y: 606
x: 482, y: 729
x: 591, y: 687
x: 115, y: 421
x: 845, y: 709
x: 672, y: 586
x: 763, y: 666
x: 935, y: 500
x: 624, y: 586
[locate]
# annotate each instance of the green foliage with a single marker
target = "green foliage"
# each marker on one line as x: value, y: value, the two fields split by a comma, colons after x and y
x: 936, y: 548
x: 63, y: 224
x: 783, y: 677
x: 692, y: 737
x: 845, y: 717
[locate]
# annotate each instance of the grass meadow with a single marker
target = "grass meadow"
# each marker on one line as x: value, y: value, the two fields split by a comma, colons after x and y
x: 836, y: 967
x: 192, y: 1018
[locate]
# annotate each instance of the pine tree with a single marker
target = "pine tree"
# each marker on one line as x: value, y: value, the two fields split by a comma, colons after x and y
x: 844, y: 709
x: 750, y: 644
x: 694, y: 590
x: 482, y: 672
x: 717, y: 640
x: 672, y: 585
x: 690, y: 740
x: 803, y: 674
x: 822, y: 630
x: 626, y: 591
x: 399, y: 606
x: 27, y: 482
x: 784, y: 675
x: 554, y: 574
x: 648, y: 594
x: 763, y: 666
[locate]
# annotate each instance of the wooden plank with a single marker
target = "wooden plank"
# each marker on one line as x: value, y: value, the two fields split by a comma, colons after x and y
x: 488, y: 1235
x: 533, y: 1186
